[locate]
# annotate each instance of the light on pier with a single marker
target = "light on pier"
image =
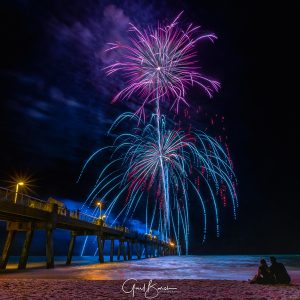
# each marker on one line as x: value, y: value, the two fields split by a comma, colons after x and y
x: 21, y: 183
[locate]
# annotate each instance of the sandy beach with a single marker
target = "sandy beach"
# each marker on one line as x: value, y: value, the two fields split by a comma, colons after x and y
x: 112, y: 289
x: 191, y: 277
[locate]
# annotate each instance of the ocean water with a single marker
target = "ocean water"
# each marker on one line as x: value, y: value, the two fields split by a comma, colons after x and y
x: 230, y: 267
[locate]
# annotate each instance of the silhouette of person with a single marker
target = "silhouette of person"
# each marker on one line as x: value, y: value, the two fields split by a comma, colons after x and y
x: 278, y: 272
x: 263, y: 275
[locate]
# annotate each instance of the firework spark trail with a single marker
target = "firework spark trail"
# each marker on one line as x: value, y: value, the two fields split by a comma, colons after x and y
x: 160, y: 64
x: 140, y: 156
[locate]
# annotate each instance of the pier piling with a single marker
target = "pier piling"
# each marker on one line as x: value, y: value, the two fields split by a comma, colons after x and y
x: 71, y: 248
x: 25, y: 250
x: 7, y: 247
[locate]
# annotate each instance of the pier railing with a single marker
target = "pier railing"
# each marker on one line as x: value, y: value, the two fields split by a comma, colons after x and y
x: 23, y: 199
x: 36, y: 203
x: 8, y: 195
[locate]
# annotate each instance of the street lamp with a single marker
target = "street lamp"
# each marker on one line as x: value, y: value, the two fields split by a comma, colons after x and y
x: 100, y: 204
x: 17, y: 189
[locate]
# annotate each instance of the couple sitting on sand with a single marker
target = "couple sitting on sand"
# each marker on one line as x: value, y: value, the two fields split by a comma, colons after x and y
x: 276, y: 273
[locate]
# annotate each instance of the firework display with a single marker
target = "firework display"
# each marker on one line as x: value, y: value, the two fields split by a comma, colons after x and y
x: 160, y: 64
x: 156, y: 164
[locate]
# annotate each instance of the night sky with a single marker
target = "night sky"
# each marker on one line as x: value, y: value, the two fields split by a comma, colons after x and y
x: 56, y: 102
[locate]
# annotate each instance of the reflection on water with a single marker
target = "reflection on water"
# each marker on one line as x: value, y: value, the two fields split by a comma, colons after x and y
x: 239, y: 267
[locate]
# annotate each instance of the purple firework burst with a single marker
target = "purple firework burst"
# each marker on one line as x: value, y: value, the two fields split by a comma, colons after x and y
x: 161, y: 63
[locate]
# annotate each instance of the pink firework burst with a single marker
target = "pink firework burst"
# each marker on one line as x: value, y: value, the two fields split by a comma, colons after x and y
x: 161, y: 63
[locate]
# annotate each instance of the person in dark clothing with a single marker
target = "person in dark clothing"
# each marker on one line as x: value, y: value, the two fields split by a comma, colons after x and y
x: 278, y: 272
x: 263, y: 275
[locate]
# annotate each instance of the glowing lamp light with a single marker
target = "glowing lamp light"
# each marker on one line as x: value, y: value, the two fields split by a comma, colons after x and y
x: 21, y: 183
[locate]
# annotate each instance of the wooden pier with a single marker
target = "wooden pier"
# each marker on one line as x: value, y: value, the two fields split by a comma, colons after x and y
x: 25, y: 213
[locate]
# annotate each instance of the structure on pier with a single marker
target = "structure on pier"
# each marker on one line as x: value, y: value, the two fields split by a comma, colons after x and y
x: 25, y: 213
